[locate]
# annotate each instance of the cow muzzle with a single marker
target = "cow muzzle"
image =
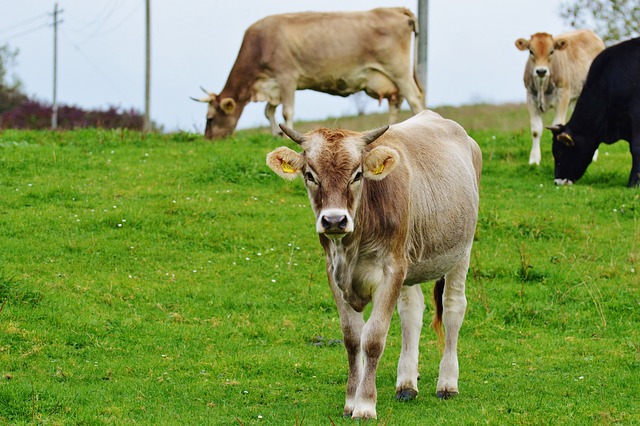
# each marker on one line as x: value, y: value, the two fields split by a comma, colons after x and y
x: 541, y: 72
x: 334, y: 223
x: 561, y: 182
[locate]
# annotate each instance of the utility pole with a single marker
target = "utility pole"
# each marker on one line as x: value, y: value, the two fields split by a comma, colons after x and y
x: 147, y: 77
x: 54, y: 115
x: 423, y: 42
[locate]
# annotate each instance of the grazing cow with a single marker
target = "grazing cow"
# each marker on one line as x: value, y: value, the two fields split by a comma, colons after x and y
x: 554, y: 75
x: 393, y: 208
x: 608, y: 110
x: 339, y: 53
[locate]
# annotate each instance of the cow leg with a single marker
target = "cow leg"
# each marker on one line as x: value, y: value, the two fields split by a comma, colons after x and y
x: 288, y: 91
x: 535, y: 119
x: 411, y: 308
x: 270, y: 113
x: 454, y: 305
x: 394, y: 108
x: 374, y: 336
x: 413, y: 94
x: 351, y: 323
x: 634, y: 145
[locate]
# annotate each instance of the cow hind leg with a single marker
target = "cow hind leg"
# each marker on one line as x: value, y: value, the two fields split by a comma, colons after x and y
x: 411, y: 309
x: 395, y: 103
x: 634, y: 147
x: 454, y: 304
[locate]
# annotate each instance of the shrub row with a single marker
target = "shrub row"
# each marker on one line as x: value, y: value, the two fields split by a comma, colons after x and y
x: 33, y: 114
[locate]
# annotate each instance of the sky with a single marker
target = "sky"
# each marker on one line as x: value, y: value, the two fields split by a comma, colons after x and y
x: 101, y: 49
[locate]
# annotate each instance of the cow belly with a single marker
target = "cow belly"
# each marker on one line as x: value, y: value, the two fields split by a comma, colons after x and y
x: 433, y: 268
x: 376, y: 83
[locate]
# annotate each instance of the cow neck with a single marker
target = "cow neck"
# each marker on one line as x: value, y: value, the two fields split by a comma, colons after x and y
x: 241, y: 79
x: 587, y: 121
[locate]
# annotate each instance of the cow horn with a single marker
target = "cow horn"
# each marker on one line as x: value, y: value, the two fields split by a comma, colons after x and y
x: 206, y: 91
x: 374, y: 134
x: 206, y: 100
x: 294, y: 135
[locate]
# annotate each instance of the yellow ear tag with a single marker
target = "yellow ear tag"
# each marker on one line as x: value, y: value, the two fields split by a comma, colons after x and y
x: 287, y: 168
x: 378, y: 169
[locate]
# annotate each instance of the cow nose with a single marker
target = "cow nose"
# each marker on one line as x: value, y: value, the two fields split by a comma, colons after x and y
x: 541, y: 72
x: 336, y: 223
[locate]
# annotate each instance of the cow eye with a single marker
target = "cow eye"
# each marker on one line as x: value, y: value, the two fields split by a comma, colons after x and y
x: 357, y: 177
x: 309, y: 177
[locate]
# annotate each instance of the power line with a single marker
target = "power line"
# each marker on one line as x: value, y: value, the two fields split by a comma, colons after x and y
x: 21, y: 23
x: 97, y: 68
x: 25, y: 32
x: 116, y: 26
x: 99, y: 16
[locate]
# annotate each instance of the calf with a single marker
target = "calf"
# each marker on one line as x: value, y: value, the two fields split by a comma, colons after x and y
x: 394, y: 207
x: 608, y: 110
x: 554, y: 75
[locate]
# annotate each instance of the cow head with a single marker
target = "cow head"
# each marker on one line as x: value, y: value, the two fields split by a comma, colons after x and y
x: 571, y: 155
x: 334, y: 164
x: 541, y: 48
x: 222, y: 115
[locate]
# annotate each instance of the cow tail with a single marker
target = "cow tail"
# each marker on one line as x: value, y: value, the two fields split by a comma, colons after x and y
x: 416, y: 31
x: 436, y: 323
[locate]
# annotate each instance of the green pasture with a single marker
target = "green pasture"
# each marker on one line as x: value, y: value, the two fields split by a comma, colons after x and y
x: 169, y: 280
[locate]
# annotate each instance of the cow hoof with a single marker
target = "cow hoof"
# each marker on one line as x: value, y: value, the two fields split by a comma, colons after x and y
x: 446, y: 394
x: 406, y: 394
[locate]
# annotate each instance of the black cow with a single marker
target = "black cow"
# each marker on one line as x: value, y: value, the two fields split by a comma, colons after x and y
x: 607, y: 110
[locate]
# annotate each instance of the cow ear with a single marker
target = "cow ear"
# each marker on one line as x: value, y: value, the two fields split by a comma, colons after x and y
x: 522, y: 44
x: 228, y: 105
x: 285, y: 162
x: 561, y: 44
x: 566, y: 139
x: 379, y: 162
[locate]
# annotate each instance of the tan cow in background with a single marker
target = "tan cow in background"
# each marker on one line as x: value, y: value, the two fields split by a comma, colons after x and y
x: 339, y: 53
x: 394, y: 208
x: 554, y: 75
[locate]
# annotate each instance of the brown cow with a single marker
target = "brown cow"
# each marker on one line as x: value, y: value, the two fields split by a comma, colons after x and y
x: 554, y: 75
x: 393, y: 209
x: 339, y: 53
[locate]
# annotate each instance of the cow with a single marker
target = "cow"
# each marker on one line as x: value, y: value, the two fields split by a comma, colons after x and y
x: 608, y: 110
x: 394, y: 207
x: 554, y: 75
x: 339, y: 53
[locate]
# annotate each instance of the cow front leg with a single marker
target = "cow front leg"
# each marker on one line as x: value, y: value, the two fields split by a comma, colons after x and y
x: 374, y: 336
x: 454, y: 305
x: 288, y: 91
x: 270, y: 113
x: 411, y: 309
x: 535, y: 119
x: 351, y: 323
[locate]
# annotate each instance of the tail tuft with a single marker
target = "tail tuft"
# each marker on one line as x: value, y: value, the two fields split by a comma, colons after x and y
x: 436, y: 323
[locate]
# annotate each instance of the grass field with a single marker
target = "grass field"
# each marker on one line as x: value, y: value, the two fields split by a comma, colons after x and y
x: 165, y: 279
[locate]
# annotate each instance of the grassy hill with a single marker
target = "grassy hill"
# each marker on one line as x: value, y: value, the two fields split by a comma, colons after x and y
x: 166, y: 279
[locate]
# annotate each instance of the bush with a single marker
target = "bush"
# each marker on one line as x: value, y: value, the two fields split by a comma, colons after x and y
x: 33, y: 114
